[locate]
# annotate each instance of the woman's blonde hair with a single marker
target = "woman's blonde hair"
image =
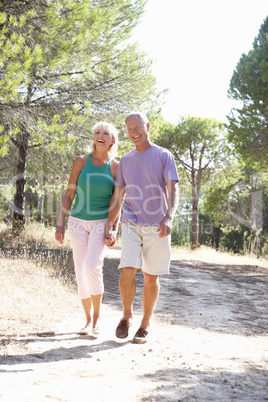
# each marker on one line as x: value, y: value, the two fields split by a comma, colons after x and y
x: 112, y: 152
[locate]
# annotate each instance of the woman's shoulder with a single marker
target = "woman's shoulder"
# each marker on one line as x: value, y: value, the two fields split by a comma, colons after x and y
x: 114, y: 167
x: 80, y: 161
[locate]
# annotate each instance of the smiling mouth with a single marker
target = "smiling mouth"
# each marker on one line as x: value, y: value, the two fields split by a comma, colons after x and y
x: 101, y: 141
x: 138, y: 136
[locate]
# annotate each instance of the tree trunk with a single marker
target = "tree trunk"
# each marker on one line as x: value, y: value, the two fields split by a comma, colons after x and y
x: 195, y: 225
x: 18, y: 221
x: 257, y: 242
x: 217, y: 232
x: 195, y: 201
x: 41, y: 202
x: 31, y: 203
x: 253, y: 214
x: 40, y: 209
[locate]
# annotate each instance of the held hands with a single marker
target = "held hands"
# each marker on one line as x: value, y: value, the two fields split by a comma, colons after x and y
x: 165, y: 227
x: 109, y: 235
x: 59, y: 234
x: 110, y: 238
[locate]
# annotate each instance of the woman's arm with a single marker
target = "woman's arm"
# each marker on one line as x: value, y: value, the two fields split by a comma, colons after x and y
x: 114, y: 167
x: 68, y: 198
x: 114, y: 215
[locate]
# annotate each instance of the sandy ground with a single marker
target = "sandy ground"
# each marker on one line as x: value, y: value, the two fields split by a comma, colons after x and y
x: 208, y: 342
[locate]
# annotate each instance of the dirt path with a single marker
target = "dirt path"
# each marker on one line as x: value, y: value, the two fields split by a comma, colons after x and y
x: 208, y: 343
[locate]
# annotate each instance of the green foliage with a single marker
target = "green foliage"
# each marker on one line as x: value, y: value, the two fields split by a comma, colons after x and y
x: 234, y: 194
x: 190, y: 135
x: 71, y: 60
x: 205, y: 230
x: 178, y: 239
x: 64, y: 66
x: 248, y: 124
x: 233, y: 240
x: 218, y: 188
x: 264, y: 246
x: 198, y: 146
x: 236, y: 200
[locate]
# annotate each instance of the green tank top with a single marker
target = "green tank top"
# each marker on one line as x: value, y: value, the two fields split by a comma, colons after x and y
x: 94, y: 192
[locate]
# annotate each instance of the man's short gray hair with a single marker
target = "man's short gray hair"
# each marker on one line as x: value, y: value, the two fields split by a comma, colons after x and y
x: 142, y: 116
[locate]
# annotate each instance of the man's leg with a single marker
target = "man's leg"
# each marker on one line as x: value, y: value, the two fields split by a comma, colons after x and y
x: 127, y: 286
x: 131, y: 256
x: 149, y: 298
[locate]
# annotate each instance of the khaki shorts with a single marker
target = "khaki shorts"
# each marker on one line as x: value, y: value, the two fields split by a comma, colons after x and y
x: 143, y: 249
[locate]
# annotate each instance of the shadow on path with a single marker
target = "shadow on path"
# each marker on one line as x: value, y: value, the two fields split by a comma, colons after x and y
x: 207, y: 385
x: 223, y: 298
x: 62, y: 353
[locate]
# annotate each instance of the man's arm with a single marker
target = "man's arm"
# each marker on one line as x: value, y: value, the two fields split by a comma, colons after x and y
x: 165, y: 226
x: 112, y: 222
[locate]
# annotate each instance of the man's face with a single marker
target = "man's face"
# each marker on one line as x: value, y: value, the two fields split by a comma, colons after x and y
x: 137, y: 130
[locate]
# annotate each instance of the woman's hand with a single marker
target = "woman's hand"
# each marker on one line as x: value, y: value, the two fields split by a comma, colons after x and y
x: 59, y: 234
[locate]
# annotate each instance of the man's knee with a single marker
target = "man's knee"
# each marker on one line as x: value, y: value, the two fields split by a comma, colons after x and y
x: 151, y: 280
x: 128, y: 272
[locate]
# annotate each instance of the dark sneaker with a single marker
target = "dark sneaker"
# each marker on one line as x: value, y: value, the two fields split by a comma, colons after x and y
x: 141, y: 336
x: 122, y: 328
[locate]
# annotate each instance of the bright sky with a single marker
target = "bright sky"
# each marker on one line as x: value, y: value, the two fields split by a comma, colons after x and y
x: 195, y: 46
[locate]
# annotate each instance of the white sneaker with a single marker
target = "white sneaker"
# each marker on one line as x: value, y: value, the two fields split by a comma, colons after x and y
x: 96, y: 330
x: 85, y: 330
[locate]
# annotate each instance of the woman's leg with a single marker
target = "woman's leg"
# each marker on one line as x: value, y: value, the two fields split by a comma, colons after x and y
x: 94, y: 264
x: 79, y: 241
x: 96, y: 302
x: 87, y: 305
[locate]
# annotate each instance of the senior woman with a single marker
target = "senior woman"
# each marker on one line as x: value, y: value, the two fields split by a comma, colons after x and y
x: 91, y: 185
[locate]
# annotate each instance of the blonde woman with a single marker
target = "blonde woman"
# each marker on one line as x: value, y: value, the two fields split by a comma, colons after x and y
x: 91, y: 183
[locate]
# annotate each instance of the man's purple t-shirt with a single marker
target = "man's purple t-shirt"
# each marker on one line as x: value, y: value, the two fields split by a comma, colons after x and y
x: 143, y: 175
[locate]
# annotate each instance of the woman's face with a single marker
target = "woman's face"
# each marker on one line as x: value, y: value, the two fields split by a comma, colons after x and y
x: 102, y: 138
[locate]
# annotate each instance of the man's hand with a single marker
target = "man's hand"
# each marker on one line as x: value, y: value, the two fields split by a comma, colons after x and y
x: 165, y: 227
x: 59, y: 234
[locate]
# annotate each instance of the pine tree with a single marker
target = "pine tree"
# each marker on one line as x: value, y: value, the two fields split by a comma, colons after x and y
x: 197, y: 145
x: 65, y: 65
x: 248, y: 124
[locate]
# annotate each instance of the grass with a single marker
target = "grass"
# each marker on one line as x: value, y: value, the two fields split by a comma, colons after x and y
x: 37, y: 287
x: 31, y: 291
x: 40, y: 236
x: 32, y: 299
x: 208, y: 254
x: 34, y: 234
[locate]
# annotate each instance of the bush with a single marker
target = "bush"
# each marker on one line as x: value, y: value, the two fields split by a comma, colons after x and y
x: 178, y: 239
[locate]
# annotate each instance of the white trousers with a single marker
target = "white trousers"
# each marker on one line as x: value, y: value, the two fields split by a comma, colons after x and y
x: 87, y: 241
